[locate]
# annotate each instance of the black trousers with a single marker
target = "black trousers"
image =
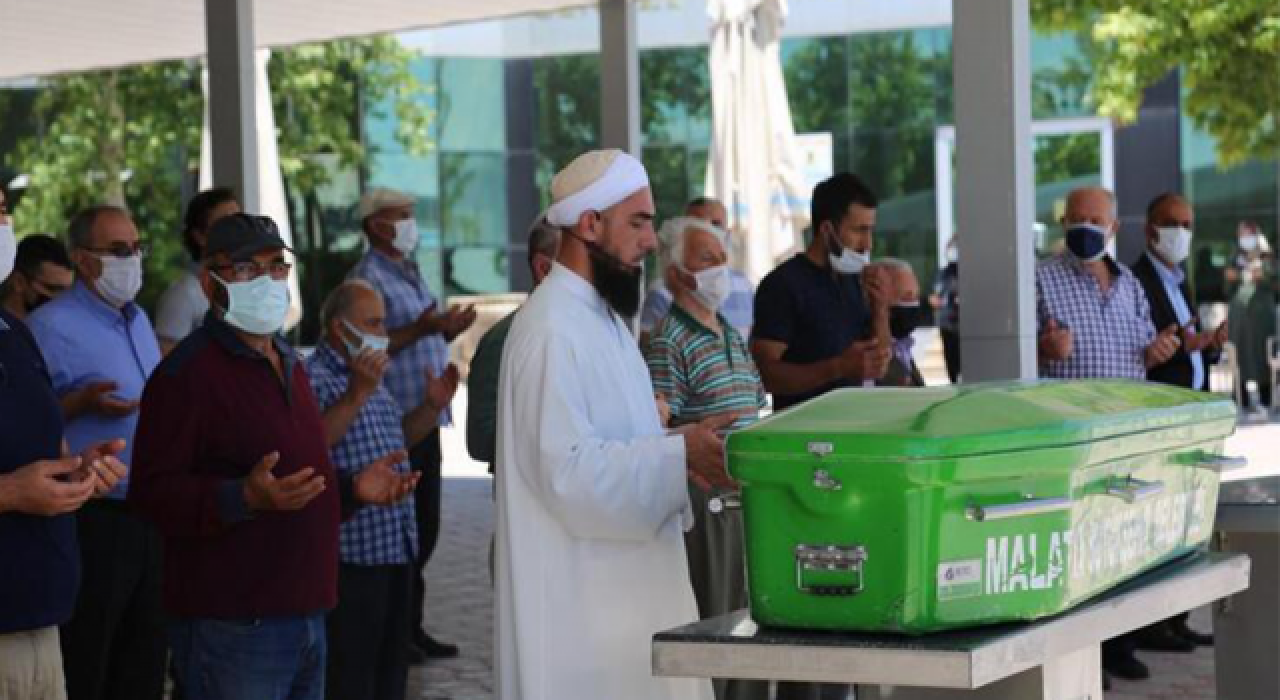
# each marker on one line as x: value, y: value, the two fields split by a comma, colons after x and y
x: 951, y: 353
x: 425, y: 457
x: 368, y: 640
x: 115, y: 647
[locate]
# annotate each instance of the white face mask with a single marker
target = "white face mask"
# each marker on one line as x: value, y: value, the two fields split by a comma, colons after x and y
x: 406, y: 240
x: 1249, y: 242
x: 120, y: 280
x: 847, y: 262
x: 8, y: 251
x: 712, y: 286
x: 258, y: 306
x: 368, y: 341
x: 1173, y: 243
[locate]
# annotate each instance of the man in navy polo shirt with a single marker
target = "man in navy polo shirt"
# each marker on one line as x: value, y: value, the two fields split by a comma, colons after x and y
x: 232, y: 466
x: 812, y: 322
x: 40, y: 486
x: 811, y: 319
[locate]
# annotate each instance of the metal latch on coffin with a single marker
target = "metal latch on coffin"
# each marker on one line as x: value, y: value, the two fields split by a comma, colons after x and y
x: 821, y: 561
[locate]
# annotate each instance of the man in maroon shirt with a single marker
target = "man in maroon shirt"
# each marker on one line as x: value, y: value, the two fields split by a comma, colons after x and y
x: 231, y: 465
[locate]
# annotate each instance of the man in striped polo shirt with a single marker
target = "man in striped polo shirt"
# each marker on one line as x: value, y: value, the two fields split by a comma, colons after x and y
x: 701, y: 367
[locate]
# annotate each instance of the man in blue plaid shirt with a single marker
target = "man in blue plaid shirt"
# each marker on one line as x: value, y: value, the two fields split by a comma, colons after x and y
x: 420, y: 332
x: 1092, y: 313
x: 1094, y: 322
x: 368, y: 639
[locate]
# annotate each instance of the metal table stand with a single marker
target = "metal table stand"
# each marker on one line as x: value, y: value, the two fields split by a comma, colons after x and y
x: 1056, y: 658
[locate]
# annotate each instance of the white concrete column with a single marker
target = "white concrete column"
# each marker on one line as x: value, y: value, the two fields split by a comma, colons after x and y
x: 995, y: 188
x: 619, y: 77
x: 232, y: 98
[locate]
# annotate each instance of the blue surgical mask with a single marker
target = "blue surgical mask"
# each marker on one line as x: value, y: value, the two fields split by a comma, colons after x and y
x: 368, y: 341
x: 258, y: 306
x: 1087, y: 241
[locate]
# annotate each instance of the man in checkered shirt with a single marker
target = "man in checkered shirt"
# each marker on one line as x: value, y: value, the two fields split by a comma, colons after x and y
x: 368, y: 639
x: 420, y: 330
x: 1092, y: 314
x: 1094, y: 322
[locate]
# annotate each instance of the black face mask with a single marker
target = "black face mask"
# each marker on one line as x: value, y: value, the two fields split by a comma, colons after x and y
x: 904, y: 320
x: 616, y: 281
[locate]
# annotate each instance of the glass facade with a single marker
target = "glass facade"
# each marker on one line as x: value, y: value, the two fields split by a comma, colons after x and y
x: 506, y: 119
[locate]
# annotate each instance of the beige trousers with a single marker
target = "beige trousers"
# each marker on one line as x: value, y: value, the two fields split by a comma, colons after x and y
x: 31, y: 666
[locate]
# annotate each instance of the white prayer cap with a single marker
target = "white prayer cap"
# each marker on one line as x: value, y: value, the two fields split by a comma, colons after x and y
x: 675, y: 233
x: 379, y: 198
x: 594, y: 181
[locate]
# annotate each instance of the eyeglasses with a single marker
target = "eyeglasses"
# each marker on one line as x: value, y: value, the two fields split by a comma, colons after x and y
x: 249, y: 269
x: 121, y: 250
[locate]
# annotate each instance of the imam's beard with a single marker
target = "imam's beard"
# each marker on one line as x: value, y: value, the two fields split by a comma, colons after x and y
x: 615, y: 280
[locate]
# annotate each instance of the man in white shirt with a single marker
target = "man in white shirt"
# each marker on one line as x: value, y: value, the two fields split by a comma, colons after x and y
x: 592, y: 498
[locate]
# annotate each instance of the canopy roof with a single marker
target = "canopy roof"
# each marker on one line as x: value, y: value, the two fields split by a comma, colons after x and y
x: 41, y: 37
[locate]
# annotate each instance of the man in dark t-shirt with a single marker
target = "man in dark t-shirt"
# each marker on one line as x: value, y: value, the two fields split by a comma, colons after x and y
x: 40, y: 487
x: 812, y: 324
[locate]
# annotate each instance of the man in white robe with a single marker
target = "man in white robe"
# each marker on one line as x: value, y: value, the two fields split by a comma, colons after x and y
x: 592, y: 497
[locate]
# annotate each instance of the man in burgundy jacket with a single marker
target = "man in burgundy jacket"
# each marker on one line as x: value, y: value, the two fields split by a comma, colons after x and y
x: 231, y: 465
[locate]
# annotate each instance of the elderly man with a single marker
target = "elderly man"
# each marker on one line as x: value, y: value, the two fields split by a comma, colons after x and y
x: 182, y: 306
x: 905, y: 316
x: 592, y: 501
x: 482, y: 381
x: 420, y: 334
x: 702, y: 369
x: 41, y: 486
x: 368, y: 640
x: 101, y: 349
x: 41, y: 272
x: 737, y: 305
x: 232, y: 465
x: 1095, y: 322
x: 813, y: 329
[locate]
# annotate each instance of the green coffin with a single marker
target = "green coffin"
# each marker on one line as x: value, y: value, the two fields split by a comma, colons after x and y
x: 916, y: 510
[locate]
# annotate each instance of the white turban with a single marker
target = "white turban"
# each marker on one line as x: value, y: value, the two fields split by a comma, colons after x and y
x: 594, y: 181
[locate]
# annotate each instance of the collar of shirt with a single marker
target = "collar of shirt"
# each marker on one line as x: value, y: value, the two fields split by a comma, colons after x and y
x: 404, y: 267
x: 226, y: 336
x: 689, y: 320
x: 1172, y: 277
x: 331, y: 358
x: 579, y: 287
x: 1078, y: 266
x: 89, y: 300
x: 3, y: 326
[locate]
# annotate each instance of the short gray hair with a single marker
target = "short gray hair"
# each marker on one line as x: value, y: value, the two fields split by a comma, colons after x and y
x: 341, y: 299
x: 675, y: 235
x: 81, y: 228
x: 543, y: 238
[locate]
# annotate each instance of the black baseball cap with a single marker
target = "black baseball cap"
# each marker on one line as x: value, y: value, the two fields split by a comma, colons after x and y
x: 241, y: 236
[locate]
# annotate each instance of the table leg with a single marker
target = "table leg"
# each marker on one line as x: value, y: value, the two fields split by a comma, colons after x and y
x: 1073, y: 676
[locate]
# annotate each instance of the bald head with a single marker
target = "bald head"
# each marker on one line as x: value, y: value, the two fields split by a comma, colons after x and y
x: 1091, y: 205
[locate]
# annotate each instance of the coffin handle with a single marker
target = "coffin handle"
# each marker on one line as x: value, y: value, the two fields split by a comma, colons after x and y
x: 1133, y: 490
x: 1027, y: 507
x: 1222, y: 463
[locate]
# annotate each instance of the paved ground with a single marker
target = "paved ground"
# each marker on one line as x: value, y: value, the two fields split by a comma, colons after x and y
x: 460, y: 601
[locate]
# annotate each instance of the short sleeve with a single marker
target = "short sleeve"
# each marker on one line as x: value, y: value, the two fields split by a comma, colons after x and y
x: 174, y: 313
x: 775, y: 310
x: 667, y: 372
